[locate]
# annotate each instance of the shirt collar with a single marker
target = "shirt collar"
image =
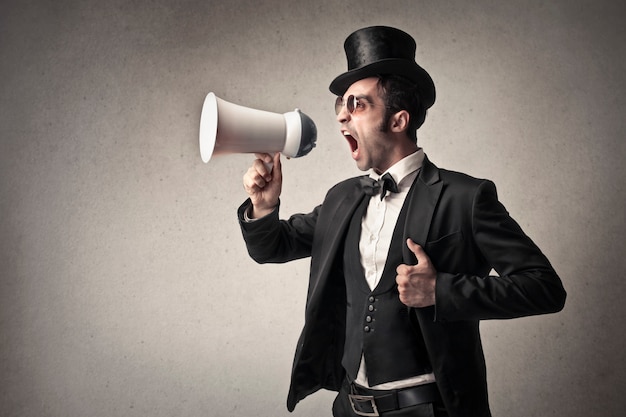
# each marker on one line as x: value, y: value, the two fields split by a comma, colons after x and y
x: 404, y: 167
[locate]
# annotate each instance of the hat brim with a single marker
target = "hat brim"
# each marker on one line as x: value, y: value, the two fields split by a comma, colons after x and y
x: 410, y: 70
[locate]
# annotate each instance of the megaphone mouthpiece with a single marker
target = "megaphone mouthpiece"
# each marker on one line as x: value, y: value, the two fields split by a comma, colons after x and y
x: 230, y: 128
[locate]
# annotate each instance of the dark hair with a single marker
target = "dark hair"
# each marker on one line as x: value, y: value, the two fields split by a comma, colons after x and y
x: 401, y: 94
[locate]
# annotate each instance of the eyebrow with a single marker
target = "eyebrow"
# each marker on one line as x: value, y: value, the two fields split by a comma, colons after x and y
x: 366, y: 97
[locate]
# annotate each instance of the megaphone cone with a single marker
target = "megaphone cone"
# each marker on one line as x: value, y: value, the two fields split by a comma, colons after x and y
x: 227, y: 128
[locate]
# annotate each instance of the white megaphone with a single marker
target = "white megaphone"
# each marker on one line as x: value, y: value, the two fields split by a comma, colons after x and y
x: 229, y: 128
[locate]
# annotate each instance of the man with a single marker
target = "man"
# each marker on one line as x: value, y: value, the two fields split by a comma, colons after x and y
x: 400, y: 267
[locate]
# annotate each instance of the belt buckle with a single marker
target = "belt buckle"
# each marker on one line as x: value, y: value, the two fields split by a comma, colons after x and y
x: 365, y: 399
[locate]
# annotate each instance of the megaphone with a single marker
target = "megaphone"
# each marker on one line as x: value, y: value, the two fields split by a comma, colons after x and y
x: 227, y: 128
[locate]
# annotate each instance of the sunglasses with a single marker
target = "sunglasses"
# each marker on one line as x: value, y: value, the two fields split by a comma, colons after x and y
x: 352, y: 103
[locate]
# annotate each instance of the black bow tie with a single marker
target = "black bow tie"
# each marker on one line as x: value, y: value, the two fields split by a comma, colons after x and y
x: 384, y: 184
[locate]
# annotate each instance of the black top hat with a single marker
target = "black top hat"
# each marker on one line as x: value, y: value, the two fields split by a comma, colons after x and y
x: 383, y: 50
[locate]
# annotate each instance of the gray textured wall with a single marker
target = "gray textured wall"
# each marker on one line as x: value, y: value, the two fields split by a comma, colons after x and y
x: 125, y: 289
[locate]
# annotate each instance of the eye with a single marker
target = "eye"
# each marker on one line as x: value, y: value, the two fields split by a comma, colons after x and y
x: 359, y: 104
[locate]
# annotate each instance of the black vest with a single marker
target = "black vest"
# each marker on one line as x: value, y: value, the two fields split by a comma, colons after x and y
x: 377, y: 323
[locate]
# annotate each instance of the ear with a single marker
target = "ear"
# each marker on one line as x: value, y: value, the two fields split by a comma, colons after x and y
x: 400, y: 121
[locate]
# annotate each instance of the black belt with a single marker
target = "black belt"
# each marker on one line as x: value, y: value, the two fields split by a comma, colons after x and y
x: 367, y: 402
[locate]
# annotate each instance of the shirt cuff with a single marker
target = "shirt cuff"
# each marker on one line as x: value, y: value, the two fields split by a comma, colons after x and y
x: 248, y: 219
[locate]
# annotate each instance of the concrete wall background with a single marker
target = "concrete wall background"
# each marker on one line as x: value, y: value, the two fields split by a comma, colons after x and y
x: 125, y: 289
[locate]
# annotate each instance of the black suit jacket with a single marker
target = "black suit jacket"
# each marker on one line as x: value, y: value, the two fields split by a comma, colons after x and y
x: 465, y: 231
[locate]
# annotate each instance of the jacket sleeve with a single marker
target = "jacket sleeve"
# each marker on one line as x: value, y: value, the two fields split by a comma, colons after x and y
x: 271, y: 240
x: 526, y: 283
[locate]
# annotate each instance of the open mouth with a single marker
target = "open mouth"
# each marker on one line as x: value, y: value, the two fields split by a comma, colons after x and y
x: 354, y: 145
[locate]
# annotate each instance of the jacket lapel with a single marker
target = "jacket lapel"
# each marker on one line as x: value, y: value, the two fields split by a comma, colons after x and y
x: 422, y: 200
x: 428, y: 188
x: 339, y: 212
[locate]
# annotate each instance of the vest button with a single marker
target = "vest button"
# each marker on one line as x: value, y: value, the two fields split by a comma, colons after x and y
x: 371, y: 299
x: 368, y: 319
x: 366, y: 329
x: 370, y: 307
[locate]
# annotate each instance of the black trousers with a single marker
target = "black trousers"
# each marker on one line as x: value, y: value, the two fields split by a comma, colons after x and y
x: 343, y: 408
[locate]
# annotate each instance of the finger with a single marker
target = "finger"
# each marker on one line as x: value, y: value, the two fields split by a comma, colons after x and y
x: 253, y: 182
x: 402, y: 281
x: 416, y: 249
x: 257, y: 175
x: 263, y: 169
x: 259, y: 182
x: 266, y: 160
x: 265, y: 157
x: 277, y: 171
x: 404, y: 269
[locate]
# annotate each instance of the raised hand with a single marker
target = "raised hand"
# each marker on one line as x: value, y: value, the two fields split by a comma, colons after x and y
x: 263, y: 182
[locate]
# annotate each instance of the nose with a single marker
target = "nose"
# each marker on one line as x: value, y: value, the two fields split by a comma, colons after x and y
x: 343, y: 115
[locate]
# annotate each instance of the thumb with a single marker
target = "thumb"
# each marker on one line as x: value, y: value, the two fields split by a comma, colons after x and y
x: 277, y: 169
x: 416, y: 249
